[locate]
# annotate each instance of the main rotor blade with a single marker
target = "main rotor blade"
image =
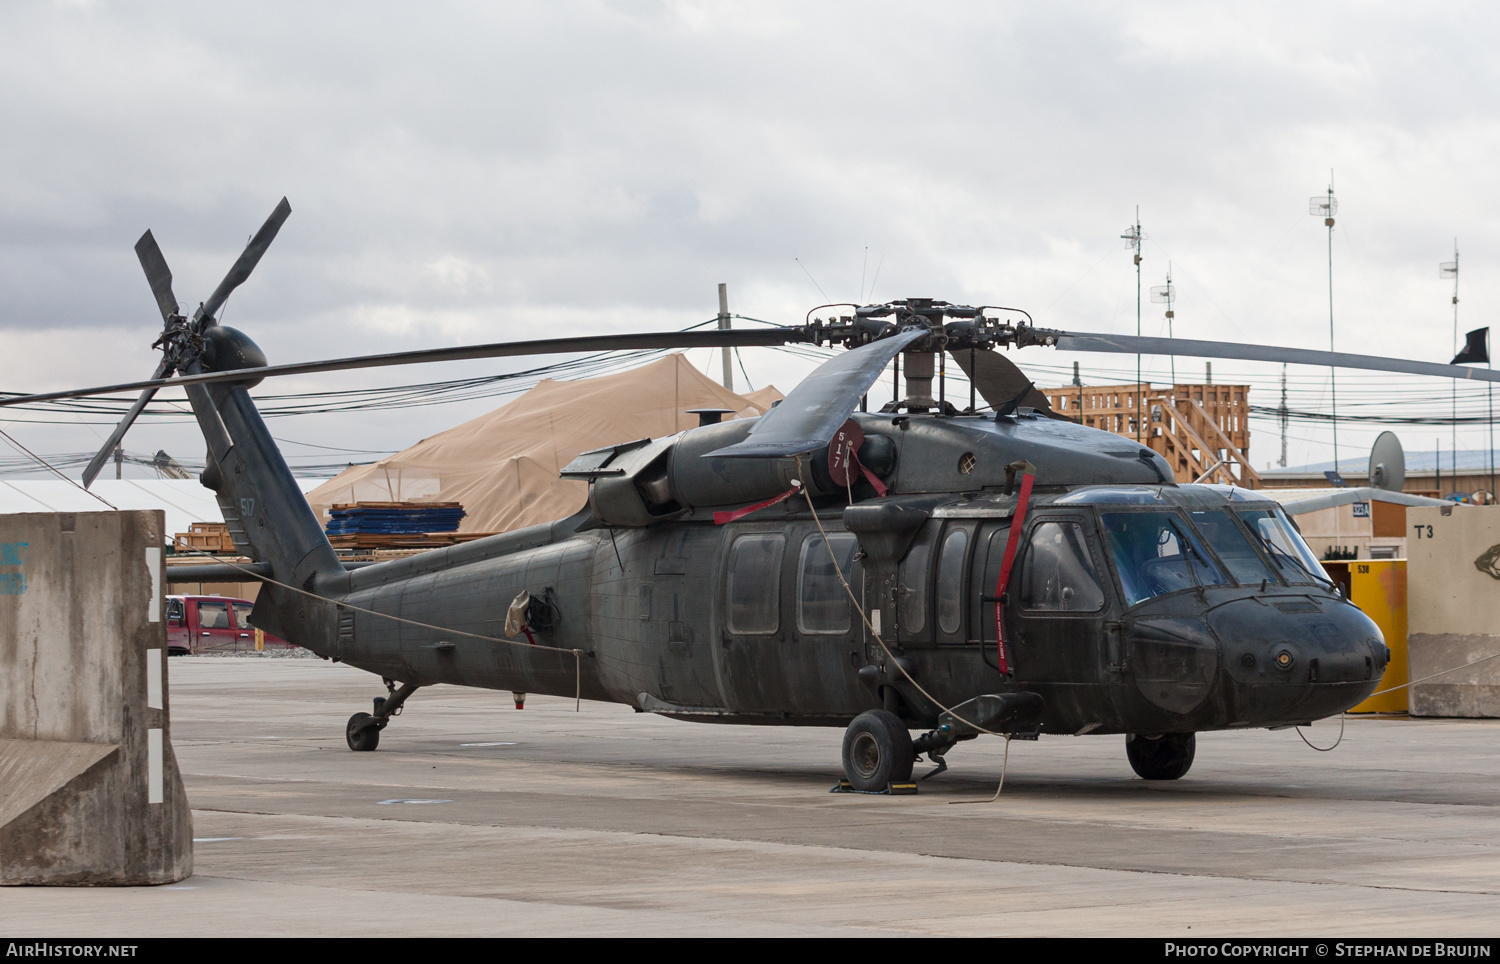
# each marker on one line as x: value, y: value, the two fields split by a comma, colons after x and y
x: 248, y: 259
x: 102, y: 456
x: 158, y: 275
x: 1133, y: 344
x: 636, y: 341
x: 999, y: 381
x: 809, y: 415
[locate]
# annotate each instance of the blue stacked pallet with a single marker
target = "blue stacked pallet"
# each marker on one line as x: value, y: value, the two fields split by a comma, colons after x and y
x: 394, y: 518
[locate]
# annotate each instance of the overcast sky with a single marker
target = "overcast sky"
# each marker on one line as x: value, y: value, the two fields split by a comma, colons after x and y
x: 474, y: 172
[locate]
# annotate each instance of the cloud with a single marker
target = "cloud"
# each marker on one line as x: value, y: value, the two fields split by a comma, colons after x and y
x: 465, y: 172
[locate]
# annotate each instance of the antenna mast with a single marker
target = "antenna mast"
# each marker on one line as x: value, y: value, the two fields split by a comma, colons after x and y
x: 1326, y: 207
x: 1167, y: 293
x: 1133, y: 238
x: 1449, y: 269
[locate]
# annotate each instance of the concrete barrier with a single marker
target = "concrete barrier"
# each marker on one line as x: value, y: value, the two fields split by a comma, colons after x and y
x: 1453, y: 609
x: 89, y: 788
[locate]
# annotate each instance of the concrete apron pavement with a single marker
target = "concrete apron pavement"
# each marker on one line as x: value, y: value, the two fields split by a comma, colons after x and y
x: 609, y: 822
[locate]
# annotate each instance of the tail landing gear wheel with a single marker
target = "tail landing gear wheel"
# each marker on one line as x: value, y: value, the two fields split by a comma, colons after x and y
x: 362, y: 733
x: 1165, y: 757
x: 877, y: 751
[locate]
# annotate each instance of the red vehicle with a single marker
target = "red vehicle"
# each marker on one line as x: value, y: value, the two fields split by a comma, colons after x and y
x: 214, y: 624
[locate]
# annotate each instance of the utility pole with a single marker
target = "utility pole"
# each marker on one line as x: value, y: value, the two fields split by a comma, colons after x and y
x: 119, y: 460
x: 1281, y: 415
x: 1078, y: 384
x: 724, y: 326
x: 1133, y: 238
x: 1328, y: 206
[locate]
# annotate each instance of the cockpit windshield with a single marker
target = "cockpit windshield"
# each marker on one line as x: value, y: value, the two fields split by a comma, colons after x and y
x: 1292, y: 556
x: 1156, y: 553
x: 1229, y: 543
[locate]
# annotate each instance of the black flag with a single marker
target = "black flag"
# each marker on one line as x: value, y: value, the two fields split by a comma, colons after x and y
x: 1477, y: 349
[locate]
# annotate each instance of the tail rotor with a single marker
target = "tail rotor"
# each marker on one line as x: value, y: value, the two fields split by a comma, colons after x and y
x: 181, y: 341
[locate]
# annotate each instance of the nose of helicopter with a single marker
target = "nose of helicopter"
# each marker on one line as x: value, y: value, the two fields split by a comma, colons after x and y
x: 1288, y: 659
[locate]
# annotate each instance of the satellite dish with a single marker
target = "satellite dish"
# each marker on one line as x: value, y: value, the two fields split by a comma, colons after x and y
x: 1387, y: 463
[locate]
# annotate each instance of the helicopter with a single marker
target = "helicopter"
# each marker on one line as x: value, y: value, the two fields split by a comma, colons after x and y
x: 954, y: 572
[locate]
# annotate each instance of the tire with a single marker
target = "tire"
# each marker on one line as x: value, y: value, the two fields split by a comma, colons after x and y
x: 877, y: 751
x: 361, y: 738
x: 1165, y: 757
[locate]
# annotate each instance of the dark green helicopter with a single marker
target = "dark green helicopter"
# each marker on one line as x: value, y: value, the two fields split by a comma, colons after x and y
x: 918, y: 568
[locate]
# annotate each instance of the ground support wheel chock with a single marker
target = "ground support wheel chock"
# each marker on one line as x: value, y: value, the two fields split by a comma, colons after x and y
x: 891, y: 789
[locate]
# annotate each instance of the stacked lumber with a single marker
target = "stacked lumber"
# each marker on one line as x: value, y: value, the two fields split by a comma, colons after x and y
x: 206, y: 536
x: 402, y: 540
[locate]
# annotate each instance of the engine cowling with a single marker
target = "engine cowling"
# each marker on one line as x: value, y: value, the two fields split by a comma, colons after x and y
x: 640, y: 483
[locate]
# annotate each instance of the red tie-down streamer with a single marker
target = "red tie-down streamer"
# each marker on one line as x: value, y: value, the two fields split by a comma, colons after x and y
x: 720, y: 518
x: 1012, y: 542
x: 843, y: 461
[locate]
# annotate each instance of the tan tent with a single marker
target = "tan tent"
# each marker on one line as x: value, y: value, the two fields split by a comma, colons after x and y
x: 503, y: 466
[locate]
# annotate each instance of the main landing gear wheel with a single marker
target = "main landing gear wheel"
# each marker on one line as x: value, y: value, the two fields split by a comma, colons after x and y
x: 1164, y: 757
x: 877, y: 751
x: 362, y: 732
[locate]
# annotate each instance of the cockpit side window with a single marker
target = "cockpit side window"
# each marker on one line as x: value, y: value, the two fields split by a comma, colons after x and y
x: 1155, y: 553
x: 1229, y: 543
x: 1059, y: 574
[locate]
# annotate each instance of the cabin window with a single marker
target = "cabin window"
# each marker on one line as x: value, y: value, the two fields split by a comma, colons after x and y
x: 1229, y: 543
x: 822, y: 600
x: 1059, y: 574
x: 213, y: 615
x: 1156, y: 554
x: 754, y: 585
x: 914, y: 578
x: 950, y: 581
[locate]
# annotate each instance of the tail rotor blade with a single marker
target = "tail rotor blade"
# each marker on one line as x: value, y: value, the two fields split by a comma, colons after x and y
x: 158, y: 275
x: 248, y: 259
x: 97, y: 462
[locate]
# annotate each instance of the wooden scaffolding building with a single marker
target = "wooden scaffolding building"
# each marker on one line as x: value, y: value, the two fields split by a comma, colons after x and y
x: 1203, y: 431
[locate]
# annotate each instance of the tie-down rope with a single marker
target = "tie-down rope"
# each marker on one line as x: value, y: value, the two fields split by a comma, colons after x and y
x: 859, y: 608
x: 577, y: 653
